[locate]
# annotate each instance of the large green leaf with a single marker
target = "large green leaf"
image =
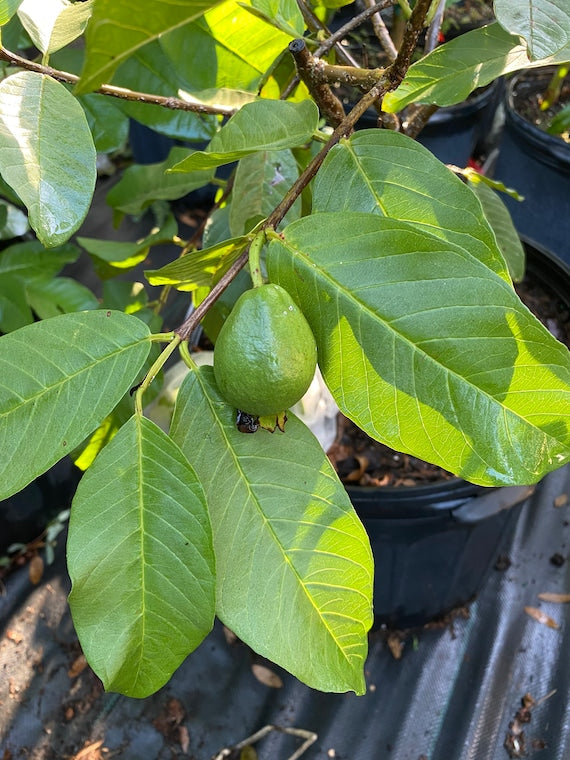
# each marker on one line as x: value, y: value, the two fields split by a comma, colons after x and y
x: 141, y: 561
x: 46, y: 153
x: 15, y: 310
x: 59, y: 379
x: 293, y: 561
x: 53, y: 24
x: 227, y: 48
x: 107, y: 122
x: 261, y: 181
x: 142, y: 184
x: 543, y: 24
x: 283, y: 14
x: 262, y: 125
x: 449, y: 73
x: 384, y: 172
x: 30, y: 259
x: 199, y: 268
x: 500, y: 220
x: 59, y: 295
x: 427, y: 349
x: 7, y: 9
x: 118, y: 30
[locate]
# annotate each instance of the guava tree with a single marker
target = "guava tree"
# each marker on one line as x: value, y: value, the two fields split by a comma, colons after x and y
x: 385, y: 252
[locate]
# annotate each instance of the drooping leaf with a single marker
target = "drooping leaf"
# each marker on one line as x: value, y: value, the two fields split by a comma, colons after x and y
x: 111, y: 257
x: 141, y: 185
x: 59, y: 295
x: 385, y: 172
x: 500, y: 220
x: 543, y: 24
x: 426, y: 348
x: 294, y: 568
x: 448, y: 74
x: 118, y: 30
x: 53, y: 24
x: 283, y: 14
x: 46, y: 153
x: 141, y: 561
x: 227, y: 48
x: 198, y: 268
x: 108, y: 124
x: 262, y: 125
x: 30, y: 259
x: 59, y: 379
x: 261, y: 181
x: 7, y: 9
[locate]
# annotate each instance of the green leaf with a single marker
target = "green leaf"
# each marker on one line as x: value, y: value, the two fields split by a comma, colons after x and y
x: 59, y: 379
x: 60, y: 295
x: 261, y: 181
x: 199, y: 268
x: 141, y: 561
x: 561, y: 122
x: 141, y: 185
x: 108, y: 124
x: 500, y: 220
x: 7, y: 9
x: 53, y: 24
x: 294, y: 567
x: 14, y: 308
x: 30, y: 259
x: 427, y: 349
x: 112, y: 257
x: 150, y: 70
x: 283, y: 14
x: 448, y: 74
x: 384, y: 172
x: 262, y: 125
x: 118, y: 30
x: 15, y: 224
x: 46, y: 153
x: 227, y: 48
x: 129, y: 297
x: 543, y: 24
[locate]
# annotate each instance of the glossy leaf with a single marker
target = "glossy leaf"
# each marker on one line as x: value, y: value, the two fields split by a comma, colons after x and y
x: 141, y: 185
x: 294, y: 567
x: 384, y: 172
x: 53, y: 24
x: 427, y: 349
x: 108, y: 124
x: 141, y: 561
x: 262, y: 125
x: 452, y: 71
x: 543, y: 24
x: 198, y: 268
x: 59, y: 379
x: 227, y: 48
x: 283, y: 14
x: 501, y: 222
x: 15, y: 311
x: 46, y: 153
x: 59, y: 295
x: 7, y: 9
x: 261, y: 181
x: 30, y: 259
x: 118, y: 30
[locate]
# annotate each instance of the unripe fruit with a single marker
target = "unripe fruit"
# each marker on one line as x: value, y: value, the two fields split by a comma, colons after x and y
x: 265, y: 354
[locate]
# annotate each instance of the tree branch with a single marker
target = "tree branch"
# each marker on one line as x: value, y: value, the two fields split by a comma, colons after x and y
x: 176, y: 104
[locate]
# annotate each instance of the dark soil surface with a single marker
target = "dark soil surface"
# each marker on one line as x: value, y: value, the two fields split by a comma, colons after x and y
x: 528, y: 97
x: 359, y: 460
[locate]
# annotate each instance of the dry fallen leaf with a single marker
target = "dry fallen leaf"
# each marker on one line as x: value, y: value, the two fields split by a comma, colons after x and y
x: 561, y: 501
x: 541, y: 617
x: 266, y: 676
x: 77, y: 666
x: 184, y: 739
x: 90, y: 752
x: 395, y: 645
x: 36, y: 569
x: 548, y: 596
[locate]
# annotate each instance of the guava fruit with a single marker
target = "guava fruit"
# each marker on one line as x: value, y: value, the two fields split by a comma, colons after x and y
x: 265, y: 354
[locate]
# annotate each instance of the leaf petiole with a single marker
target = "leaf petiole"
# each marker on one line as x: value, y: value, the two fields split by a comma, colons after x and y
x: 156, y: 367
x: 255, y: 258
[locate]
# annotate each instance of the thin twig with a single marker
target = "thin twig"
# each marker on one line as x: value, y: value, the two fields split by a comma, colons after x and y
x: 432, y: 36
x: 310, y: 737
x: 166, y: 101
x: 382, y: 33
x: 316, y: 25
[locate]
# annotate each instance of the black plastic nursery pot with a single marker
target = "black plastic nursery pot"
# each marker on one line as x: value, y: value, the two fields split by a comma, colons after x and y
x: 434, y: 545
x: 537, y: 165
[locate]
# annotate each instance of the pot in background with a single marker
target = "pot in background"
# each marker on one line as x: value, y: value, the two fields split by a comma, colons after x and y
x: 434, y: 545
x: 537, y: 165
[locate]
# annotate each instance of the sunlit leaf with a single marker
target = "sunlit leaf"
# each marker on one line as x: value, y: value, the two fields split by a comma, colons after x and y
x: 53, y: 24
x: 283, y: 14
x: 293, y: 561
x: 543, y: 24
x: 141, y: 561
x: 426, y: 348
x: 7, y: 9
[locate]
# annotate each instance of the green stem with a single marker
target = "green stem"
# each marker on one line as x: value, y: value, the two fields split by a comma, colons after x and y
x: 156, y: 367
x: 552, y: 94
x: 255, y: 259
